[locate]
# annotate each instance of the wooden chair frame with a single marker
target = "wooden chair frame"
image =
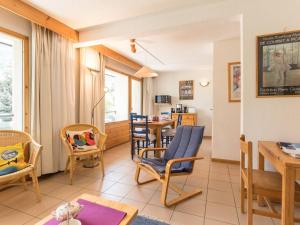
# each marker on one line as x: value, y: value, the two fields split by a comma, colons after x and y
x: 12, y: 137
x: 246, y: 180
x: 147, y: 132
x: 165, y: 179
x: 73, y: 155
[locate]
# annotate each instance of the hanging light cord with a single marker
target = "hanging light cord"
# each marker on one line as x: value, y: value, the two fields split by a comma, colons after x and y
x: 149, y: 52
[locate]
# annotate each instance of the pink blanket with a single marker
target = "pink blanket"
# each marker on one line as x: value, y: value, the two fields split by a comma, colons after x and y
x: 94, y: 214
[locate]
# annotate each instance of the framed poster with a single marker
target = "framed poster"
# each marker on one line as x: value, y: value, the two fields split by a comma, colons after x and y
x: 234, y: 82
x: 186, y: 90
x: 278, y: 64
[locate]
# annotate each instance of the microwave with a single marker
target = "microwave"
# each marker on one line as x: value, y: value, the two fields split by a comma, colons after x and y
x: 163, y: 99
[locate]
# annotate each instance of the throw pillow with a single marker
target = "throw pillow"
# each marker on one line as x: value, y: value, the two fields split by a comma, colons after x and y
x: 12, y: 159
x: 82, y: 140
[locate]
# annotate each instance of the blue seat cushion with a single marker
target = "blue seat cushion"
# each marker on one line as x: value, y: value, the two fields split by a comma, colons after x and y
x: 159, y: 165
x: 185, y: 144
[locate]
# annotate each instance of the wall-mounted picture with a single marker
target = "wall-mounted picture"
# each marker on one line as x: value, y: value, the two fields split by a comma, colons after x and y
x: 278, y: 64
x: 186, y: 90
x: 234, y: 82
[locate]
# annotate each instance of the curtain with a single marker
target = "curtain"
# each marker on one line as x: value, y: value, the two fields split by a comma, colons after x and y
x: 53, y: 95
x: 147, y: 96
x: 92, y: 69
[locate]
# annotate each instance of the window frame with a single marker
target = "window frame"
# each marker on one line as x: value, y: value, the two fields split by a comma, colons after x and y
x: 26, y: 76
x: 141, y: 94
x: 130, y: 78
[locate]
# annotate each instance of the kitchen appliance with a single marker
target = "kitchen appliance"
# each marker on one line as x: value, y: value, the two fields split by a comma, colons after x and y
x: 185, y: 109
x: 179, y: 108
x: 163, y: 99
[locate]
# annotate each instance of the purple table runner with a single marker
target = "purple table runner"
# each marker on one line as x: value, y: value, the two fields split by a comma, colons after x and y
x: 94, y: 214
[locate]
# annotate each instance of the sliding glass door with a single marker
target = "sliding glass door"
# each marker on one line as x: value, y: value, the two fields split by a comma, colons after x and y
x: 12, y: 81
x: 124, y: 96
x: 116, y: 99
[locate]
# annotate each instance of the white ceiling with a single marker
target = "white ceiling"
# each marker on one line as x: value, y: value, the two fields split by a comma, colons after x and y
x: 85, y: 13
x: 180, y: 45
x: 183, y: 48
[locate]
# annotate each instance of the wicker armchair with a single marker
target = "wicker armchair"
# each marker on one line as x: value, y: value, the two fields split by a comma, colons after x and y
x: 73, y: 155
x: 12, y: 137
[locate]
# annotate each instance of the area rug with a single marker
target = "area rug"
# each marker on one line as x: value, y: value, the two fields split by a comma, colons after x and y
x: 143, y: 220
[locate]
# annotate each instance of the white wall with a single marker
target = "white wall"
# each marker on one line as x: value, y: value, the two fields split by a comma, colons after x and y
x: 14, y: 23
x: 275, y: 119
x: 226, y: 115
x: 168, y: 84
x: 262, y: 118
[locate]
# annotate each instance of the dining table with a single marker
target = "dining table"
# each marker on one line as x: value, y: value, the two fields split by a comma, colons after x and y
x: 157, y: 127
x: 289, y: 168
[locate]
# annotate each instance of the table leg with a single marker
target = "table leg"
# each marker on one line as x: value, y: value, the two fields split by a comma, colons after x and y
x: 288, y: 196
x: 261, y: 162
x: 261, y: 166
x: 158, y: 141
x: 158, y: 137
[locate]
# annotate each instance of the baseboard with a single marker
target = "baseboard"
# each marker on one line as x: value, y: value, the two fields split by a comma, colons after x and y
x: 207, y: 137
x: 235, y: 162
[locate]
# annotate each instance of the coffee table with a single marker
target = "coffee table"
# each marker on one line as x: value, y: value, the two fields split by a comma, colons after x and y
x: 130, y: 210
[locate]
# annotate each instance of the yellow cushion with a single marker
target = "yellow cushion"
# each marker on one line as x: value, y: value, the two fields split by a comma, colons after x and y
x: 12, y: 159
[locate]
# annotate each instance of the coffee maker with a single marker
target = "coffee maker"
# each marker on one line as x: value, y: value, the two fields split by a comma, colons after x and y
x: 179, y: 108
x: 185, y: 109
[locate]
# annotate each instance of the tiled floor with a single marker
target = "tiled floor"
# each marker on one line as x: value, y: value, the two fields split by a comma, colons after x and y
x: 218, y: 205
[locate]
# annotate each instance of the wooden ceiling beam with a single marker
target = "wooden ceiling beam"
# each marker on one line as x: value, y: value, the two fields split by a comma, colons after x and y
x: 117, y: 57
x: 30, y: 13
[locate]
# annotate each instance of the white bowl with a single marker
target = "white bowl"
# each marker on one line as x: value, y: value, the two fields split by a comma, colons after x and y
x: 71, y: 222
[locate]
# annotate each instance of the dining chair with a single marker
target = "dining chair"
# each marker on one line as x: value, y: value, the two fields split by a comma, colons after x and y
x: 178, y: 160
x: 12, y: 137
x: 265, y: 184
x: 74, y: 154
x: 168, y: 134
x: 140, y: 133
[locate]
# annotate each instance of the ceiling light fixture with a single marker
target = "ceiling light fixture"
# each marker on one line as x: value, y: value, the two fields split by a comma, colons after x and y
x: 134, y: 42
x: 132, y: 45
x: 145, y: 71
x: 204, y: 83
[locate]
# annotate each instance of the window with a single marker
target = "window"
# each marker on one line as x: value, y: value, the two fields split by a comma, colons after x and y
x: 136, y: 96
x: 12, y: 81
x: 116, y: 99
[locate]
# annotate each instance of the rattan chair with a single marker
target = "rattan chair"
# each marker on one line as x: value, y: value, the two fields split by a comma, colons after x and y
x: 12, y: 137
x: 73, y: 154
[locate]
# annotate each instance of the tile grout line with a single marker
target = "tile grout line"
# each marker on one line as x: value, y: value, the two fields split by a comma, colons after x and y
x: 176, y: 205
x: 204, y: 217
x: 236, y: 208
x: 156, y: 190
x: 221, y: 203
x: 18, y: 210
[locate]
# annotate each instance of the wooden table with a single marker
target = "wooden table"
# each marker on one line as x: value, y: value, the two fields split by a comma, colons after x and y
x: 130, y: 210
x: 157, y: 127
x: 289, y: 168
